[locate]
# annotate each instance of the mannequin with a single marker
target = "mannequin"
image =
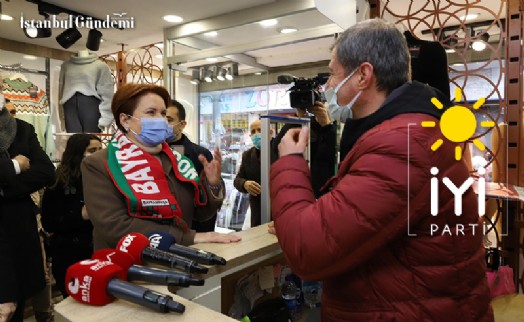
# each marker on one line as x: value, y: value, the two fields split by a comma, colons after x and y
x: 86, y: 90
x: 83, y: 53
x: 429, y: 63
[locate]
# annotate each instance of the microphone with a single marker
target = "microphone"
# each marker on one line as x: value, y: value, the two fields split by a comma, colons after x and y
x: 285, y: 79
x: 97, y: 282
x: 166, y: 242
x: 137, y: 245
x: 143, y: 273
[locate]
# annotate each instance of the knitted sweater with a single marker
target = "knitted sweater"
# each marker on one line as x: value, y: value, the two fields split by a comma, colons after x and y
x: 33, y: 110
x: 91, y: 77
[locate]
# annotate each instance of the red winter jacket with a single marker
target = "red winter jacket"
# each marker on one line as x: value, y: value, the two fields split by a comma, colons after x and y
x: 355, y: 237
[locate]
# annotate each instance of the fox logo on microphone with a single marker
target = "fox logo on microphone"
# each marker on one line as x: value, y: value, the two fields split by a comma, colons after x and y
x: 126, y: 243
x: 154, y: 240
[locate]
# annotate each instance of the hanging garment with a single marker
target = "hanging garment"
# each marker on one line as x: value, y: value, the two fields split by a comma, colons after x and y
x: 429, y: 63
x: 32, y: 106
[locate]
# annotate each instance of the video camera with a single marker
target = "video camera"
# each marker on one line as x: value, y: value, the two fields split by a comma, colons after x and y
x: 305, y: 92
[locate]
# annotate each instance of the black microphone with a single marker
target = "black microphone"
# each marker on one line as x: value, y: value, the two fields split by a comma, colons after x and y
x: 143, y: 296
x: 137, y: 245
x: 166, y: 242
x: 97, y: 282
x: 144, y: 273
x: 285, y: 79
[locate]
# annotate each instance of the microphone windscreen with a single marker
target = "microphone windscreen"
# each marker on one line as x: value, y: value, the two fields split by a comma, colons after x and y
x: 285, y: 79
x: 86, y: 281
x: 122, y: 259
x: 161, y: 240
x: 133, y: 244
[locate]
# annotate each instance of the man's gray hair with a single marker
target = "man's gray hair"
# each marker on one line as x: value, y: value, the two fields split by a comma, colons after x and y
x: 379, y: 43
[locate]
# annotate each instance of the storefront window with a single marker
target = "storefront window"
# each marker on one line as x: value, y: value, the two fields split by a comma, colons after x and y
x: 225, y: 116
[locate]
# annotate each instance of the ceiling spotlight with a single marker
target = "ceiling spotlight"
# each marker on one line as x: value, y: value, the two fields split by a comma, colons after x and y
x: 211, y: 34
x: 212, y: 59
x: 229, y: 75
x: 222, y: 74
x: 208, y: 75
x: 173, y: 18
x: 68, y: 38
x: 41, y: 32
x: 94, y: 38
x: 33, y: 32
x: 480, y: 43
x: 288, y: 30
x: 195, y: 77
x: 268, y: 22
x: 5, y: 17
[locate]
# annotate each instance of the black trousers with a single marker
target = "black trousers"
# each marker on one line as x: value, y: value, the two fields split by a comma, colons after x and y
x: 81, y: 114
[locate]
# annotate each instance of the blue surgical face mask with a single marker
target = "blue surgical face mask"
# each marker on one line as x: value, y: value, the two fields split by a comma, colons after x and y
x: 257, y: 140
x: 155, y: 130
x: 335, y: 111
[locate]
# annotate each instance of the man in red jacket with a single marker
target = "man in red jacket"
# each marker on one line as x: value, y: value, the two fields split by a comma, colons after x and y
x: 370, y: 237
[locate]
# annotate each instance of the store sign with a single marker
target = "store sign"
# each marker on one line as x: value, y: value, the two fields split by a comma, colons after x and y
x: 116, y: 20
x: 246, y: 100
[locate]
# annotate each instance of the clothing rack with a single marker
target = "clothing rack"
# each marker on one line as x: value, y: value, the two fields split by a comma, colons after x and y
x: 18, y: 68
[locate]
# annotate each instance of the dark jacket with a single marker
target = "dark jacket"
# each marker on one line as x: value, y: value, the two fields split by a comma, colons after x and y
x: 21, y: 268
x: 192, y: 151
x: 355, y: 237
x: 250, y: 170
x: 62, y: 216
x: 323, y: 154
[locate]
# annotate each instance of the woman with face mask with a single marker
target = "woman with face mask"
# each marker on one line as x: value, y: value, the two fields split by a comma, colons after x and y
x: 64, y: 214
x: 139, y: 184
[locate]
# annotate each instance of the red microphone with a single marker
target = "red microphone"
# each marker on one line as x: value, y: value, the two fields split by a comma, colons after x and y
x: 137, y: 245
x: 143, y: 273
x: 97, y: 282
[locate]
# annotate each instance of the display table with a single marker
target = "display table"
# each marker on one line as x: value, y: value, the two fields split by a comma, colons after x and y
x: 257, y: 247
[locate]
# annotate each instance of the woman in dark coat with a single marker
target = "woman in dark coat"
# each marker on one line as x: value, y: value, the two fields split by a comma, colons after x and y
x: 63, y: 210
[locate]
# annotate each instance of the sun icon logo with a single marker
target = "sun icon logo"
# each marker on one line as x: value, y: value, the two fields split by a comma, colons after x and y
x: 458, y: 124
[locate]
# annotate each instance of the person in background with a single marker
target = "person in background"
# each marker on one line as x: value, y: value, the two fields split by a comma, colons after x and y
x: 24, y: 169
x: 138, y: 184
x: 323, y: 141
x: 355, y: 237
x: 176, y: 117
x: 64, y: 214
x: 247, y: 179
x: 42, y: 303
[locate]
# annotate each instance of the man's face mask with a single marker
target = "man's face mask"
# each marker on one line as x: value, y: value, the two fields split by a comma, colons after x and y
x: 337, y: 112
x: 257, y: 140
x: 155, y: 130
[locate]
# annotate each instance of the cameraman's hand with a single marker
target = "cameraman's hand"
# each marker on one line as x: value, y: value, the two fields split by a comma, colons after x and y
x: 252, y: 187
x: 321, y: 113
x: 300, y: 112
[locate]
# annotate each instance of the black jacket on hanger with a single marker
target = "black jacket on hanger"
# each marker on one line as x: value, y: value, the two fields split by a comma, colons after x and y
x: 429, y: 63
